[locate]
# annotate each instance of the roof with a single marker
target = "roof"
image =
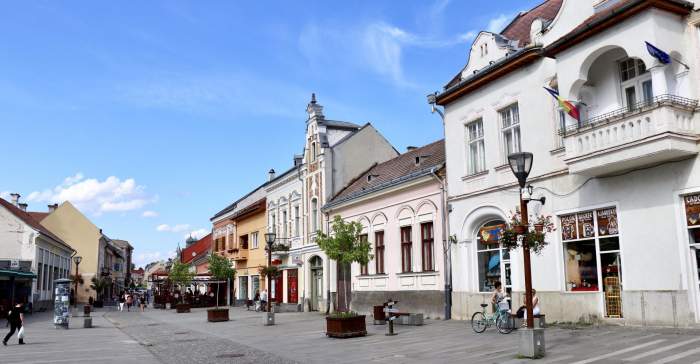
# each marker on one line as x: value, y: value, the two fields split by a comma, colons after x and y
x: 611, y: 16
x: 38, y: 216
x: 29, y: 220
x: 393, y: 172
x: 334, y: 124
x: 519, y: 28
x: 253, y: 207
x: 195, y: 250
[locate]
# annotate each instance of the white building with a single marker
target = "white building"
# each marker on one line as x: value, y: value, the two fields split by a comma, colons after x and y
x: 622, y: 184
x: 25, y: 241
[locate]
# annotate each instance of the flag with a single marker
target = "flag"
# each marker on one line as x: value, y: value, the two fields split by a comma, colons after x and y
x: 662, y: 56
x: 565, y: 104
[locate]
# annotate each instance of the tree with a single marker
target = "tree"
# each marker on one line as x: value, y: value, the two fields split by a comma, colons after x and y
x: 344, y: 245
x: 99, y: 284
x: 220, y: 269
x: 180, y: 274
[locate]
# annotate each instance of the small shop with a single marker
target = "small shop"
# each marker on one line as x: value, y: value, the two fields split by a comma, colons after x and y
x: 692, y: 220
x: 16, y: 280
x: 493, y: 260
x: 592, y: 255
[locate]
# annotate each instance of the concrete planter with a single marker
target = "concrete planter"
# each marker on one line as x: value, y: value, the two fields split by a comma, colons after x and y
x: 182, y: 308
x: 531, y: 343
x: 217, y: 314
x: 344, y: 327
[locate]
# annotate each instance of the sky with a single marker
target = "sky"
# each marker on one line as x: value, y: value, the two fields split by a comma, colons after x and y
x: 151, y: 116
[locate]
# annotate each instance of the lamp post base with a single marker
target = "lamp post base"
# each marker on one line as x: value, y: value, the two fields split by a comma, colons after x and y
x: 269, y: 318
x: 531, y: 343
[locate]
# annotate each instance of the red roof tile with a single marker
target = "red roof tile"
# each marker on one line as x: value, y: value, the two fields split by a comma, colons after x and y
x: 29, y: 220
x: 38, y: 216
x: 519, y: 28
x: 202, y: 246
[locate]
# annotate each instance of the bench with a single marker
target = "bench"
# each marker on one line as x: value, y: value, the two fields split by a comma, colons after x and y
x: 539, y: 321
x: 409, y: 319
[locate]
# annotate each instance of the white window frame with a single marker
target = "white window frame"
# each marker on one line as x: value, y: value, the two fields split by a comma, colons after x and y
x: 253, y: 243
x: 297, y: 218
x: 477, y: 140
x: 637, y: 81
x: 510, y: 124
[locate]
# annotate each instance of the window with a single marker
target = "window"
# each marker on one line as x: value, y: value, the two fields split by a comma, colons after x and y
x: 296, y: 221
x: 475, y: 145
x: 314, y: 215
x: 591, y: 239
x: 379, y: 252
x: 243, y: 241
x: 254, y: 240
x: 510, y: 124
x: 284, y: 224
x: 273, y: 222
x: 493, y: 261
x: 426, y: 232
x: 313, y: 151
x: 363, y: 267
x: 406, y: 247
x: 635, y: 83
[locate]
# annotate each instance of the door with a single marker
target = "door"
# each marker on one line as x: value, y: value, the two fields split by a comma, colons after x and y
x: 316, y: 288
x: 344, y: 289
x: 243, y: 288
x: 278, y: 288
x: 631, y: 98
x: 610, y: 266
x: 292, y: 289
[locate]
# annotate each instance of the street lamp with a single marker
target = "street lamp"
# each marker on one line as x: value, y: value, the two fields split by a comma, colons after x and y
x: 520, y: 164
x: 269, y: 239
x: 77, y: 259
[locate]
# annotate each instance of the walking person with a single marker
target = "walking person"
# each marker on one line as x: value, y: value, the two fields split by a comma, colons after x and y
x: 129, y: 302
x: 263, y: 300
x: 142, y: 301
x: 16, y: 320
x: 122, y: 301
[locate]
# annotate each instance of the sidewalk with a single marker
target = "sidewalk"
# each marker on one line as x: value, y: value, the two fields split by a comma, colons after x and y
x: 103, y: 343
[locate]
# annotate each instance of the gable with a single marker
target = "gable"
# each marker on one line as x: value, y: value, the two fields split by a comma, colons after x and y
x: 486, y: 49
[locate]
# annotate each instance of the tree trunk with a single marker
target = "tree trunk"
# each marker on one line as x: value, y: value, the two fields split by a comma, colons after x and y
x: 345, y: 290
x: 217, y: 294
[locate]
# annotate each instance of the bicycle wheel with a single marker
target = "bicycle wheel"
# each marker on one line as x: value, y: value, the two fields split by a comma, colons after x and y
x: 479, y: 322
x: 505, y: 323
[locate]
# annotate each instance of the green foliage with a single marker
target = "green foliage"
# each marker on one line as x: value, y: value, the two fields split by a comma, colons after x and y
x: 99, y: 284
x: 340, y: 314
x: 535, y: 238
x: 220, y: 268
x: 273, y: 271
x: 344, y: 244
x: 180, y: 274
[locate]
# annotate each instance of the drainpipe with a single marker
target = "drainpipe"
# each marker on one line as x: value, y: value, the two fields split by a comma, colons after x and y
x: 328, y: 276
x: 446, y: 249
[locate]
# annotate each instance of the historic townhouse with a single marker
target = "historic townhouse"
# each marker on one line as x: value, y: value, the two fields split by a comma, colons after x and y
x: 31, y: 257
x: 400, y: 206
x: 335, y: 153
x: 621, y: 181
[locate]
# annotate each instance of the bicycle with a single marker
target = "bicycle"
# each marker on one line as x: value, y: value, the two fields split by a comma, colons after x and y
x: 502, y: 319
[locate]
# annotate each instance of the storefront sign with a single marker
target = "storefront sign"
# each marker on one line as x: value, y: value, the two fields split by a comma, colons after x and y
x: 568, y: 227
x: 490, y: 234
x: 692, y: 209
x: 585, y: 224
x: 607, y: 221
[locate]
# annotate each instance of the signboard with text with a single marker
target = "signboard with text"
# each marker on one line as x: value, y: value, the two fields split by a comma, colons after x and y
x: 692, y: 209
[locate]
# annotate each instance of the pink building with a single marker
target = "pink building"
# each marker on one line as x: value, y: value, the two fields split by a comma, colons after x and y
x: 400, y: 205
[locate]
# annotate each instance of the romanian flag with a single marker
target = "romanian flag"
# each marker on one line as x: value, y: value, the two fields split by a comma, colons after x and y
x: 565, y: 104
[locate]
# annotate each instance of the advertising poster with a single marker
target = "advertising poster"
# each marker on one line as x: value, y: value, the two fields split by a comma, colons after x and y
x: 692, y: 209
x: 607, y: 221
x: 568, y: 227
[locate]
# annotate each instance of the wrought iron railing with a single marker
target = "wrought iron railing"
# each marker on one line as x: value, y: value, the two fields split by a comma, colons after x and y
x: 632, y: 109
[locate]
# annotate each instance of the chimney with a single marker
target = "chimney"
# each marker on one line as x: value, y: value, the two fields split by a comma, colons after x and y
x: 15, y: 198
x: 298, y: 160
x: 53, y: 207
x: 271, y: 175
x: 410, y: 148
x: 23, y: 206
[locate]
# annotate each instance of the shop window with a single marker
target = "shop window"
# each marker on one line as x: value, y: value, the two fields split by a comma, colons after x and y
x: 363, y: 267
x: 406, y: 248
x: 379, y: 252
x: 493, y: 261
x: 427, y: 242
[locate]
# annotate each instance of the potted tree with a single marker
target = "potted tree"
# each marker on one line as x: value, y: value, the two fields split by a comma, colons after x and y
x: 220, y: 269
x: 181, y: 275
x: 345, y: 247
x: 99, y: 284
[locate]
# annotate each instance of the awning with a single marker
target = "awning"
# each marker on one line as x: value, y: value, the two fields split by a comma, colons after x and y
x: 16, y: 273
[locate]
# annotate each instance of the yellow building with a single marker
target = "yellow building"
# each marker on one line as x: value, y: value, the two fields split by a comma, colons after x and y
x: 99, y: 254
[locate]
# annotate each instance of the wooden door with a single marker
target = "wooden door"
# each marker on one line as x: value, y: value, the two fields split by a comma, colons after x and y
x: 292, y: 286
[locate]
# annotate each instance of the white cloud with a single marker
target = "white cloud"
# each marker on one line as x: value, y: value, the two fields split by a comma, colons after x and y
x: 5, y: 195
x: 146, y: 257
x: 94, y: 196
x: 149, y: 213
x: 197, y: 234
x: 173, y: 228
x: 498, y: 23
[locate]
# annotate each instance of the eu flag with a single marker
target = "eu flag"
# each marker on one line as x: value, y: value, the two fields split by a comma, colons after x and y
x: 662, y: 56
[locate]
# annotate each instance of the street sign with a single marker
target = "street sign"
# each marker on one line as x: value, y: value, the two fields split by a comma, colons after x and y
x: 14, y: 264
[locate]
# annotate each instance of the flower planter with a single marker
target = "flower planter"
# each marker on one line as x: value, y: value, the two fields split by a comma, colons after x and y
x: 520, y: 229
x: 539, y: 228
x: 344, y: 327
x: 217, y: 314
x: 182, y: 308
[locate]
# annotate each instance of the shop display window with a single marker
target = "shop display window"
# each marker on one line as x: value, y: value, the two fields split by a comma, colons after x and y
x: 493, y: 260
x: 581, y: 266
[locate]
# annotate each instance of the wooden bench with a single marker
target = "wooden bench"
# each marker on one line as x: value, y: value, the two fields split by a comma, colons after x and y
x: 539, y: 321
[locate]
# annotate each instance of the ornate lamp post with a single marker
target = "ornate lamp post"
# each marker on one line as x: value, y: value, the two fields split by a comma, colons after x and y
x: 77, y: 259
x: 269, y: 239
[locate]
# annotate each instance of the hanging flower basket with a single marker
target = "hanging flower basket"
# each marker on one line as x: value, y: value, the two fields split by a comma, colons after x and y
x: 539, y: 227
x: 520, y: 229
x: 516, y: 235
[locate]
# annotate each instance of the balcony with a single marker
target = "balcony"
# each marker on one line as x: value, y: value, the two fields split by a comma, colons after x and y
x: 239, y: 254
x: 644, y: 134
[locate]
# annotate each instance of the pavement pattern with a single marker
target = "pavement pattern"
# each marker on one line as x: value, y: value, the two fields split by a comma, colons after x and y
x: 163, y: 336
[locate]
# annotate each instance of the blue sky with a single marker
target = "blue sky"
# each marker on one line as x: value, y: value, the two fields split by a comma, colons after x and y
x: 152, y: 116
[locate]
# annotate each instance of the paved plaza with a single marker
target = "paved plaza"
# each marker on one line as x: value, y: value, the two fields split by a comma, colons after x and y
x: 163, y: 336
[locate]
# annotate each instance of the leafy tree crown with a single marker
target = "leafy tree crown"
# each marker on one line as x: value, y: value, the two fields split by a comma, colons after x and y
x: 344, y: 244
x: 220, y: 268
x: 180, y: 273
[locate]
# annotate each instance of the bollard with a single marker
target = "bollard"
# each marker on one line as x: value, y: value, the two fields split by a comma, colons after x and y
x: 390, y: 327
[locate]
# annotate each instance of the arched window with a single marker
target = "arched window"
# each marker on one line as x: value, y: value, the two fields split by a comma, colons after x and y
x: 314, y: 215
x: 493, y: 260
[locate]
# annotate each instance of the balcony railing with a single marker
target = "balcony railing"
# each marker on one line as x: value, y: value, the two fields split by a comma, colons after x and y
x: 629, y: 110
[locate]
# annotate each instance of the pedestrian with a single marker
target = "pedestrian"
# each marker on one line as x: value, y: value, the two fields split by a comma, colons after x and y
x: 263, y: 299
x: 535, y: 306
x: 142, y: 301
x: 497, y: 296
x: 16, y: 320
x: 122, y: 301
x: 129, y: 301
